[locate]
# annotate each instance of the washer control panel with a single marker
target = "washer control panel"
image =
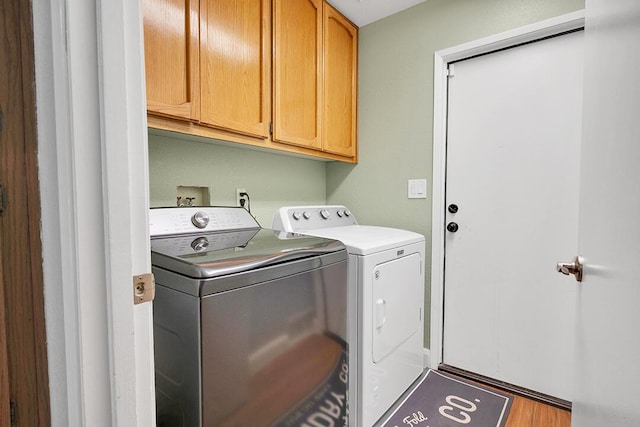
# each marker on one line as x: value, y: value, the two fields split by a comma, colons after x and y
x: 168, y: 221
x: 298, y: 218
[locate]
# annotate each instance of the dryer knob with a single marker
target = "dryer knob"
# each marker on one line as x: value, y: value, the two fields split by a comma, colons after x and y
x: 340, y: 214
x: 296, y: 216
x: 200, y: 219
x: 347, y: 212
x: 306, y: 215
x: 324, y: 214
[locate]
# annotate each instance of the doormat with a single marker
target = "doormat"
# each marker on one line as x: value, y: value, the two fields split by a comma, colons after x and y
x: 442, y: 401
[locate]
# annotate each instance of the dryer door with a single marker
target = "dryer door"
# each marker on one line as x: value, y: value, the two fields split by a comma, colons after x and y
x: 397, y: 301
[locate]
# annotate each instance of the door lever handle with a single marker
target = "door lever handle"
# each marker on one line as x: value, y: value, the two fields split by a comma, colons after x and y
x: 568, y: 268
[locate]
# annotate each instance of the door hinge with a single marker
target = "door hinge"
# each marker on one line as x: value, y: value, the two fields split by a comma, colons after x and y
x: 3, y: 200
x: 13, y: 411
x: 144, y: 288
x: 451, y: 70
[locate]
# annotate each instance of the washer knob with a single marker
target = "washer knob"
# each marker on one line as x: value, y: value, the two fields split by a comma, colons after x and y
x: 296, y: 216
x: 200, y: 244
x: 340, y: 213
x: 324, y: 214
x: 347, y: 212
x: 200, y: 219
x: 306, y: 215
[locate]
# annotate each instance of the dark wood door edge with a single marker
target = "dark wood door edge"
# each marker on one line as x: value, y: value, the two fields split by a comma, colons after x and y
x: 22, y: 283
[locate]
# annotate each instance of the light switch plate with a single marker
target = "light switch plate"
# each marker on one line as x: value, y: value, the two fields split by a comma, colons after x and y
x: 417, y: 189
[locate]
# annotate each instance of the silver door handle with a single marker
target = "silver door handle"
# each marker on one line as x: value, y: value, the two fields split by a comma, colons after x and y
x: 574, y: 268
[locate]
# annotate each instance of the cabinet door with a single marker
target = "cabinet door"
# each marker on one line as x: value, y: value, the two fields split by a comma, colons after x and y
x: 235, y: 65
x: 340, y: 83
x: 297, y: 72
x: 171, y: 57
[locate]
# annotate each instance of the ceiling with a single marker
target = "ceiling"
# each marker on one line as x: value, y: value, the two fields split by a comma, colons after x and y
x: 363, y: 12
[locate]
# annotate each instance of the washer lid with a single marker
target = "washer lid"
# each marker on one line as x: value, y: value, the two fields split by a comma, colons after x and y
x: 368, y: 239
x: 207, y: 255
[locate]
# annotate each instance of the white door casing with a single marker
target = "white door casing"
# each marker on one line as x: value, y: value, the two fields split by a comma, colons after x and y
x: 607, y: 373
x: 93, y: 173
x: 442, y: 58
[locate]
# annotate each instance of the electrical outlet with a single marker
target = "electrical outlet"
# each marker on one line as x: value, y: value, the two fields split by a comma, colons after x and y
x: 239, y: 197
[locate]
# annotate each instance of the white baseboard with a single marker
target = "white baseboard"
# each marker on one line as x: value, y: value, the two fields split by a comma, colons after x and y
x: 426, y: 358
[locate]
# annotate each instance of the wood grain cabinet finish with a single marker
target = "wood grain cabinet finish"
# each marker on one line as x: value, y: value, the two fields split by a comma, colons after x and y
x: 340, y: 83
x: 235, y: 42
x: 171, y: 50
x: 277, y: 74
x: 297, y: 72
x: 315, y: 74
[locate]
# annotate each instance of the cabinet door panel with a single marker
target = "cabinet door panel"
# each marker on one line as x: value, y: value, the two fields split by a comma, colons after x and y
x: 340, y: 87
x: 297, y: 80
x: 234, y: 68
x: 171, y: 57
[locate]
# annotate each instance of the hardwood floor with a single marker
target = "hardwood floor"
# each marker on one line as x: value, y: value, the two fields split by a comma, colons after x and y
x: 527, y: 412
x: 530, y: 413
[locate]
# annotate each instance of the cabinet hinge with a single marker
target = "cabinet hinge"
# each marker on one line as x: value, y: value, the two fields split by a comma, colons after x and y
x: 270, y: 128
x: 13, y: 411
x: 3, y: 200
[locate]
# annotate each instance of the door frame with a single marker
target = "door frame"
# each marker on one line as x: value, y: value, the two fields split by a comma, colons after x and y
x: 442, y: 58
x: 93, y: 168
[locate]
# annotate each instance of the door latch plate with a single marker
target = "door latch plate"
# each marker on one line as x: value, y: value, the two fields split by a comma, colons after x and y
x: 144, y: 288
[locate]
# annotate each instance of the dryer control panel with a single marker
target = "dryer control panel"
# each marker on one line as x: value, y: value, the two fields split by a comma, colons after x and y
x: 300, y: 218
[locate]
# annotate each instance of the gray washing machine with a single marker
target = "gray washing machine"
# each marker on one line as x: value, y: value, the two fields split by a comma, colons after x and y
x: 250, y: 325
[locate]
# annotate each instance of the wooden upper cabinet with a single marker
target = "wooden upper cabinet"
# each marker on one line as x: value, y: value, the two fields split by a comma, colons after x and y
x: 315, y: 74
x: 297, y: 72
x: 235, y: 52
x: 171, y: 36
x: 340, y: 83
x: 211, y: 66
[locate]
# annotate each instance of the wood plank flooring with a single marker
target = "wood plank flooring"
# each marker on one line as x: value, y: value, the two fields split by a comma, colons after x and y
x: 530, y: 413
x: 527, y: 412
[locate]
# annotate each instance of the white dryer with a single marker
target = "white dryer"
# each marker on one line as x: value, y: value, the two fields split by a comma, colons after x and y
x: 386, y: 303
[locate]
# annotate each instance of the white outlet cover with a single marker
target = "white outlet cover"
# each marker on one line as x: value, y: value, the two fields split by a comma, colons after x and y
x: 417, y: 189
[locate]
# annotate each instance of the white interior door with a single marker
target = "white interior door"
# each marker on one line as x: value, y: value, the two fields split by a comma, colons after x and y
x: 513, y: 142
x: 607, y: 390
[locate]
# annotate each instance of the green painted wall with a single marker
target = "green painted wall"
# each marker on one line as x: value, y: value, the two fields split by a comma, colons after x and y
x: 271, y: 180
x: 394, y: 131
x: 396, y: 104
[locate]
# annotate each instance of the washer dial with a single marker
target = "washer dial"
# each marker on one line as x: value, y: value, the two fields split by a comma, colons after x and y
x: 200, y: 219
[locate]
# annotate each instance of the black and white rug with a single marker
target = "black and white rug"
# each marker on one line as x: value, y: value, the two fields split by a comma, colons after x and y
x: 439, y: 400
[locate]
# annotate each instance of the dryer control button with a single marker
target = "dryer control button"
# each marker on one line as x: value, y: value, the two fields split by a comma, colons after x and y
x: 340, y: 214
x: 324, y: 214
x: 306, y: 215
x: 296, y: 216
